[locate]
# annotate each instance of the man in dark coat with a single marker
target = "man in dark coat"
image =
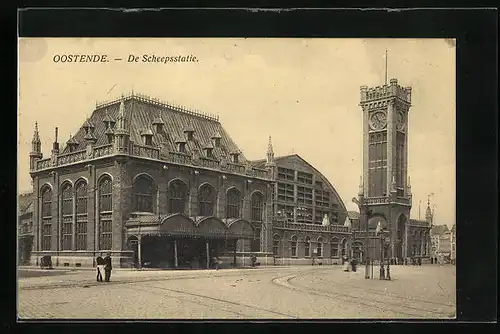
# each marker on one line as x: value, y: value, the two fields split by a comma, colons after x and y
x: 100, y: 265
x: 107, y: 267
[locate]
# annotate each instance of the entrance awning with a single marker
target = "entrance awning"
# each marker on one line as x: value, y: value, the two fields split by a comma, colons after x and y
x: 179, y: 225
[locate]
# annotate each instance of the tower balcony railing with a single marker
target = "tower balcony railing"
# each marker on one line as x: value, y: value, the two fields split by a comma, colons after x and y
x: 283, y: 224
x: 145, y: 151
x: 377, y: 200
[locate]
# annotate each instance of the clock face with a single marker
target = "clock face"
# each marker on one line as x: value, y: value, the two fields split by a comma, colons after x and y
x: 400, y: 121
x: 378, y: 120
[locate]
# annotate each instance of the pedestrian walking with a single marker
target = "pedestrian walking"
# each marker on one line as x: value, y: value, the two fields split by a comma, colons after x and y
x: 346, y: 263
x: 107, y: 267
x: 100, y: 267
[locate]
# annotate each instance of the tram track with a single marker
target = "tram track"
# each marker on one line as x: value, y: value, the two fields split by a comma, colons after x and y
x: 195, y: 299
x: 388, y: 306
x: 391, y: 295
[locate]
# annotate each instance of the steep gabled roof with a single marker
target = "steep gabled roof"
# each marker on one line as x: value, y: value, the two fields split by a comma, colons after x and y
x: 140, y: 113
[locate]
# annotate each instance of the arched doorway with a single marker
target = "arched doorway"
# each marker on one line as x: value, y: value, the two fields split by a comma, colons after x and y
x: 357, y: 251
x: 400, y: 242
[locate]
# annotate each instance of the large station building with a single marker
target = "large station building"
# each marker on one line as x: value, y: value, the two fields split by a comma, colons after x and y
x: 161, y: 186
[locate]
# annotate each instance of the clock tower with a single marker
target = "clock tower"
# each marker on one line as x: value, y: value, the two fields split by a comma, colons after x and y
x: 385, y: 186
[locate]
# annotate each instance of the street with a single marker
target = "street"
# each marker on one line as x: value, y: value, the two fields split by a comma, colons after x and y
x: 302, y: 292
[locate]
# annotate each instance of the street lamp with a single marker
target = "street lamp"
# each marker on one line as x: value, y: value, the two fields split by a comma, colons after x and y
x: 380, y: 232
x: 363, y: 218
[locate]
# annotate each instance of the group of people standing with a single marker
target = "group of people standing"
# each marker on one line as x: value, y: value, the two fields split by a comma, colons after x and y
x: 349, y: 265
x: 104, y: 266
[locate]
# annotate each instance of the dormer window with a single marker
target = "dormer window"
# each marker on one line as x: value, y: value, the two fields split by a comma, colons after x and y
x: 182, y: 147
x: 147, y: 137
x: 189, y: 131
x: 209, y: 152
x: 216, y: 139
x: 236, y: 157
x: 72, y: 144
x: 158, y: 124
x: 88, y: 126
x: 109, y: 122
x: 110, y: 135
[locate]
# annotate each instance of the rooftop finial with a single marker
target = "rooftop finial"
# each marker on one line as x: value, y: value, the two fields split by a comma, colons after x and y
x: 36, y: 135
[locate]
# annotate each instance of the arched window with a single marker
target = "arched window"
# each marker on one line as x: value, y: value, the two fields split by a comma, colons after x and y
x: 143, y: 195
x: 294, y: 246
x: 257, y: 206
x: 320, y: 247
x: 276, y: 244
x: 307, y: 247
x: 206, y: 200
x: 334, y: 247
x: 46, y: 218
x: 67, y: 217
x: 177, y: 197
x: 105, y: 213
x: 233, y: 204
x: 81, y: 215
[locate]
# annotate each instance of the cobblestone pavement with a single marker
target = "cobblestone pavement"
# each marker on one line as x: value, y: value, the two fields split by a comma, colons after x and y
x: 300, y: 292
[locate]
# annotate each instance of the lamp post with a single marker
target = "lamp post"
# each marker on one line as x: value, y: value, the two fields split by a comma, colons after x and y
x: 363, y: 218
x: 382, y: 270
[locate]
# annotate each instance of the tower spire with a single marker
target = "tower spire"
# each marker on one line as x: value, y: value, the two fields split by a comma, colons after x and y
x: 36, y: 148
x: 270, y: 152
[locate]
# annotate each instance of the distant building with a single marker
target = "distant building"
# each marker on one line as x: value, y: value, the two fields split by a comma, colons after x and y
x: 25, y: 228
x: 453, y: 238
x: 441, y: 238
x: 162, y: 186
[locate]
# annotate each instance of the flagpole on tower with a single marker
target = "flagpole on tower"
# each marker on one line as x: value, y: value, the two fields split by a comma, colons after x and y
x: 386, y: 67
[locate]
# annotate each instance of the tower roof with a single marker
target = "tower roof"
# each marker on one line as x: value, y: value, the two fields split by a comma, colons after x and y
x: 88, y: 124
x: 158, y: 120
x: 216, y: 135
x: 147, y: 132
x: 108, y: 118
x: 189, y: 128
x: 72, y: 141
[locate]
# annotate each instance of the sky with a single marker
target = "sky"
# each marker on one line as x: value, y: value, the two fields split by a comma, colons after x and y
x: 304, y: 93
